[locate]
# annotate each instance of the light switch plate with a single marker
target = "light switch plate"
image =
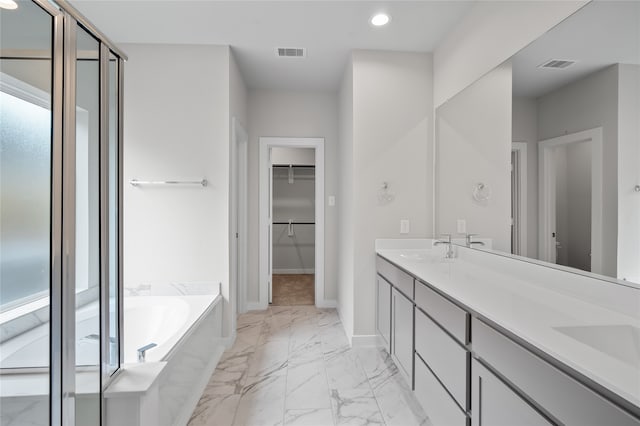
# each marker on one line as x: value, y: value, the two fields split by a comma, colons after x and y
x: 404, y: 226
x: 462, y: 226
x: 332, y: 200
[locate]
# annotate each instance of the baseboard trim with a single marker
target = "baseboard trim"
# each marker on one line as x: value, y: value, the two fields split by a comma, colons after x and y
x: 326, y: 304
x: 294, y: 271
x: 364, y: 341
x: 255, y: 306
x: 229, y: 340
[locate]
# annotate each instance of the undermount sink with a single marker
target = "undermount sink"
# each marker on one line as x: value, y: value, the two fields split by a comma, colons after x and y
x: 619, y: 341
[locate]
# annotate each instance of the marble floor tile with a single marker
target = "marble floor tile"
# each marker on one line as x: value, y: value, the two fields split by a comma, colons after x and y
x: 344, y: 371
x: 307, y: 385
x: 309, y: 417
x: 214, y: 411
x: 262, y: 402
x: 355, y: 407
x: 294, y: 365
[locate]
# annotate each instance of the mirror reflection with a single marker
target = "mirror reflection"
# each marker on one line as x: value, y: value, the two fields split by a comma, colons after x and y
x: 552, y: 137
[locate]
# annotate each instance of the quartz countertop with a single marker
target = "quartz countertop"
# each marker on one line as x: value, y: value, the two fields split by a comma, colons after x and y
x: 570, y: 317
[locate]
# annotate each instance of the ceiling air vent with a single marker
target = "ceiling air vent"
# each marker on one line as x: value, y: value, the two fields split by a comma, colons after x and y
x: 558, y: 64
x: 291, y: 52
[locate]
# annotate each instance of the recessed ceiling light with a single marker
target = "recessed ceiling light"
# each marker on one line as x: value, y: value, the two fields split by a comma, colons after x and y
x: 8, y: 4
x: 380, y: 19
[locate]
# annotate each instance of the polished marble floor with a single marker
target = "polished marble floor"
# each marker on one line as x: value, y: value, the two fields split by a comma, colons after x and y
x: 292, y: 365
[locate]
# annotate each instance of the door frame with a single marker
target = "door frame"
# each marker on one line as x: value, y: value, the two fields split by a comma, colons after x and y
x: 238, y: 222
x: 520, y: 148
x: 547, y: 180
x: 265, y: 269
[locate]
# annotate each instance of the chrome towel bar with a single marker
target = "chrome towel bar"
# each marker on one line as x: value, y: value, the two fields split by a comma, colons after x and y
x: 136, y: 182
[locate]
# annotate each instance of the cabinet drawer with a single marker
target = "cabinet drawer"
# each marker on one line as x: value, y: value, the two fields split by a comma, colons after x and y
x: 559, y: 394
x: 448, y: 360
x: 497, y: 405
x: 448, y: 315
x: 398, y: 278
x: 437, y: 403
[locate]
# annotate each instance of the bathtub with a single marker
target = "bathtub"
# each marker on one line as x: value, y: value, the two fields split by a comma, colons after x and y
x: 163, y: 320
x: 164, y: 390
x: 186, y: 329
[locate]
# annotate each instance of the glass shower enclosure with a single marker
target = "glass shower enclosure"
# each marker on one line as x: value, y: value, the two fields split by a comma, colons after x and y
x: 60, y: 198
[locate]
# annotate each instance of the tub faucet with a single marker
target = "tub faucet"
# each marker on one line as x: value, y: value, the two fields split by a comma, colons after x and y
x: 449, y: 253
x: 142, y: 352
x: 470, y: 242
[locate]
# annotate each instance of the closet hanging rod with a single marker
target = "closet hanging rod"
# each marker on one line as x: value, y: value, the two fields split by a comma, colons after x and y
x: 294, y: 223
x: 136, y: 182
x: 295, y: 166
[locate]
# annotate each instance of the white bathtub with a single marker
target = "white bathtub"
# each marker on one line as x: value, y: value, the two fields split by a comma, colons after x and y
x: 187, y: 330
x: 162, y: 320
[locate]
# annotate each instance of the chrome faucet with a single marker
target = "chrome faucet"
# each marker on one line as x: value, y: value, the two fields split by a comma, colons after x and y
x: 449, y: 254
x: 470, y: 242
x: 142, y: 352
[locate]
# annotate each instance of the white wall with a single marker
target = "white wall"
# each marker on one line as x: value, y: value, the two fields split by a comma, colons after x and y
x: 629, y: 172
x: 473, y: 133
x: 293, y: 114
x: 525, y: 129
x: 489, y: 34
x: 392, y: 134
x: 345, y: 203
x: 585, y: 104
x: 176, y: 127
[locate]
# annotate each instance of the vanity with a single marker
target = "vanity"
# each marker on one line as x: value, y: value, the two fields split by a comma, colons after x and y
x: 486, y: 339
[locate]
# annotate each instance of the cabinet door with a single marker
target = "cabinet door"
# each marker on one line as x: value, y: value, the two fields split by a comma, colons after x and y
x: 383, y: 311
x: 402, y: 334
x: 494, y: 403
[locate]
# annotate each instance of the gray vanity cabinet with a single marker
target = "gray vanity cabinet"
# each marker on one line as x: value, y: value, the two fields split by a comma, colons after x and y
x: 402, y: 333
x: 442, y: 359
x: 383, y: 311
x: 495, y: 404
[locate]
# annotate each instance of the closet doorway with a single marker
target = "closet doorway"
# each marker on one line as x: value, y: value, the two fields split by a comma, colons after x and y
x: 292, y: 221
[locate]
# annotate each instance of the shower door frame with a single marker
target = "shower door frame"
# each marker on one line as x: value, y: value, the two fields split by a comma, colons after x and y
x: 62, y: 294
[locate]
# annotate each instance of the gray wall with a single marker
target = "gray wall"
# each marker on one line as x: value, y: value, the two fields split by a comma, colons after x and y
x: 629, y: 172
x: 388, y: 98
x: 473, y: 134
x: 525, y: 129
x: 585, y: 104
x: 293, y: 114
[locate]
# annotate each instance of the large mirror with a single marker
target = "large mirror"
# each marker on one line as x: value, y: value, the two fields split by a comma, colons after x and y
x: 541, y: 156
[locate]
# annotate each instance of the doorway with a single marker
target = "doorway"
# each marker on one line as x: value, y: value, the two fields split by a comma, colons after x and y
x: 291, y: 221
x: 571, y: 200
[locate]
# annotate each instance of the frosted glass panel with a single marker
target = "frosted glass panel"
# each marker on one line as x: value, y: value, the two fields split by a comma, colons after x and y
x: 25, y: 156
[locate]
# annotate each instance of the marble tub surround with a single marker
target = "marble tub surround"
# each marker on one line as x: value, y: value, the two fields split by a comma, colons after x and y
x: 198, y: 288
x: 292, y: 365
x: 538, y: 304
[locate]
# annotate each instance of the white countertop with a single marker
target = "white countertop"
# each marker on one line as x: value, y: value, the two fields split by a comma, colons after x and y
x: 532, y: 301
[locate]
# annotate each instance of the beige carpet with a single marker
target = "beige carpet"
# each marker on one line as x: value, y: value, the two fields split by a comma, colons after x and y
x: 295, y: 289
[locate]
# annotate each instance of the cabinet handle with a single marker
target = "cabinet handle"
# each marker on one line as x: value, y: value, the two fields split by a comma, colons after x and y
x: 479, y: 401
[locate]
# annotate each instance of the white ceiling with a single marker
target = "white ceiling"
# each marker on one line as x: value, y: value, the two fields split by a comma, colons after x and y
x: 329, y: 30
x: 600, y: 34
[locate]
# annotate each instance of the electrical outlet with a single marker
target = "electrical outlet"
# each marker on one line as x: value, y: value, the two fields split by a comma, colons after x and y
x: 404, y: 226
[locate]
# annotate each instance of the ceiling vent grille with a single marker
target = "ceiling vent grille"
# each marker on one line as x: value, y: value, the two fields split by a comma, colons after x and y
x: 291, y: 52
x: 558, y: 64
